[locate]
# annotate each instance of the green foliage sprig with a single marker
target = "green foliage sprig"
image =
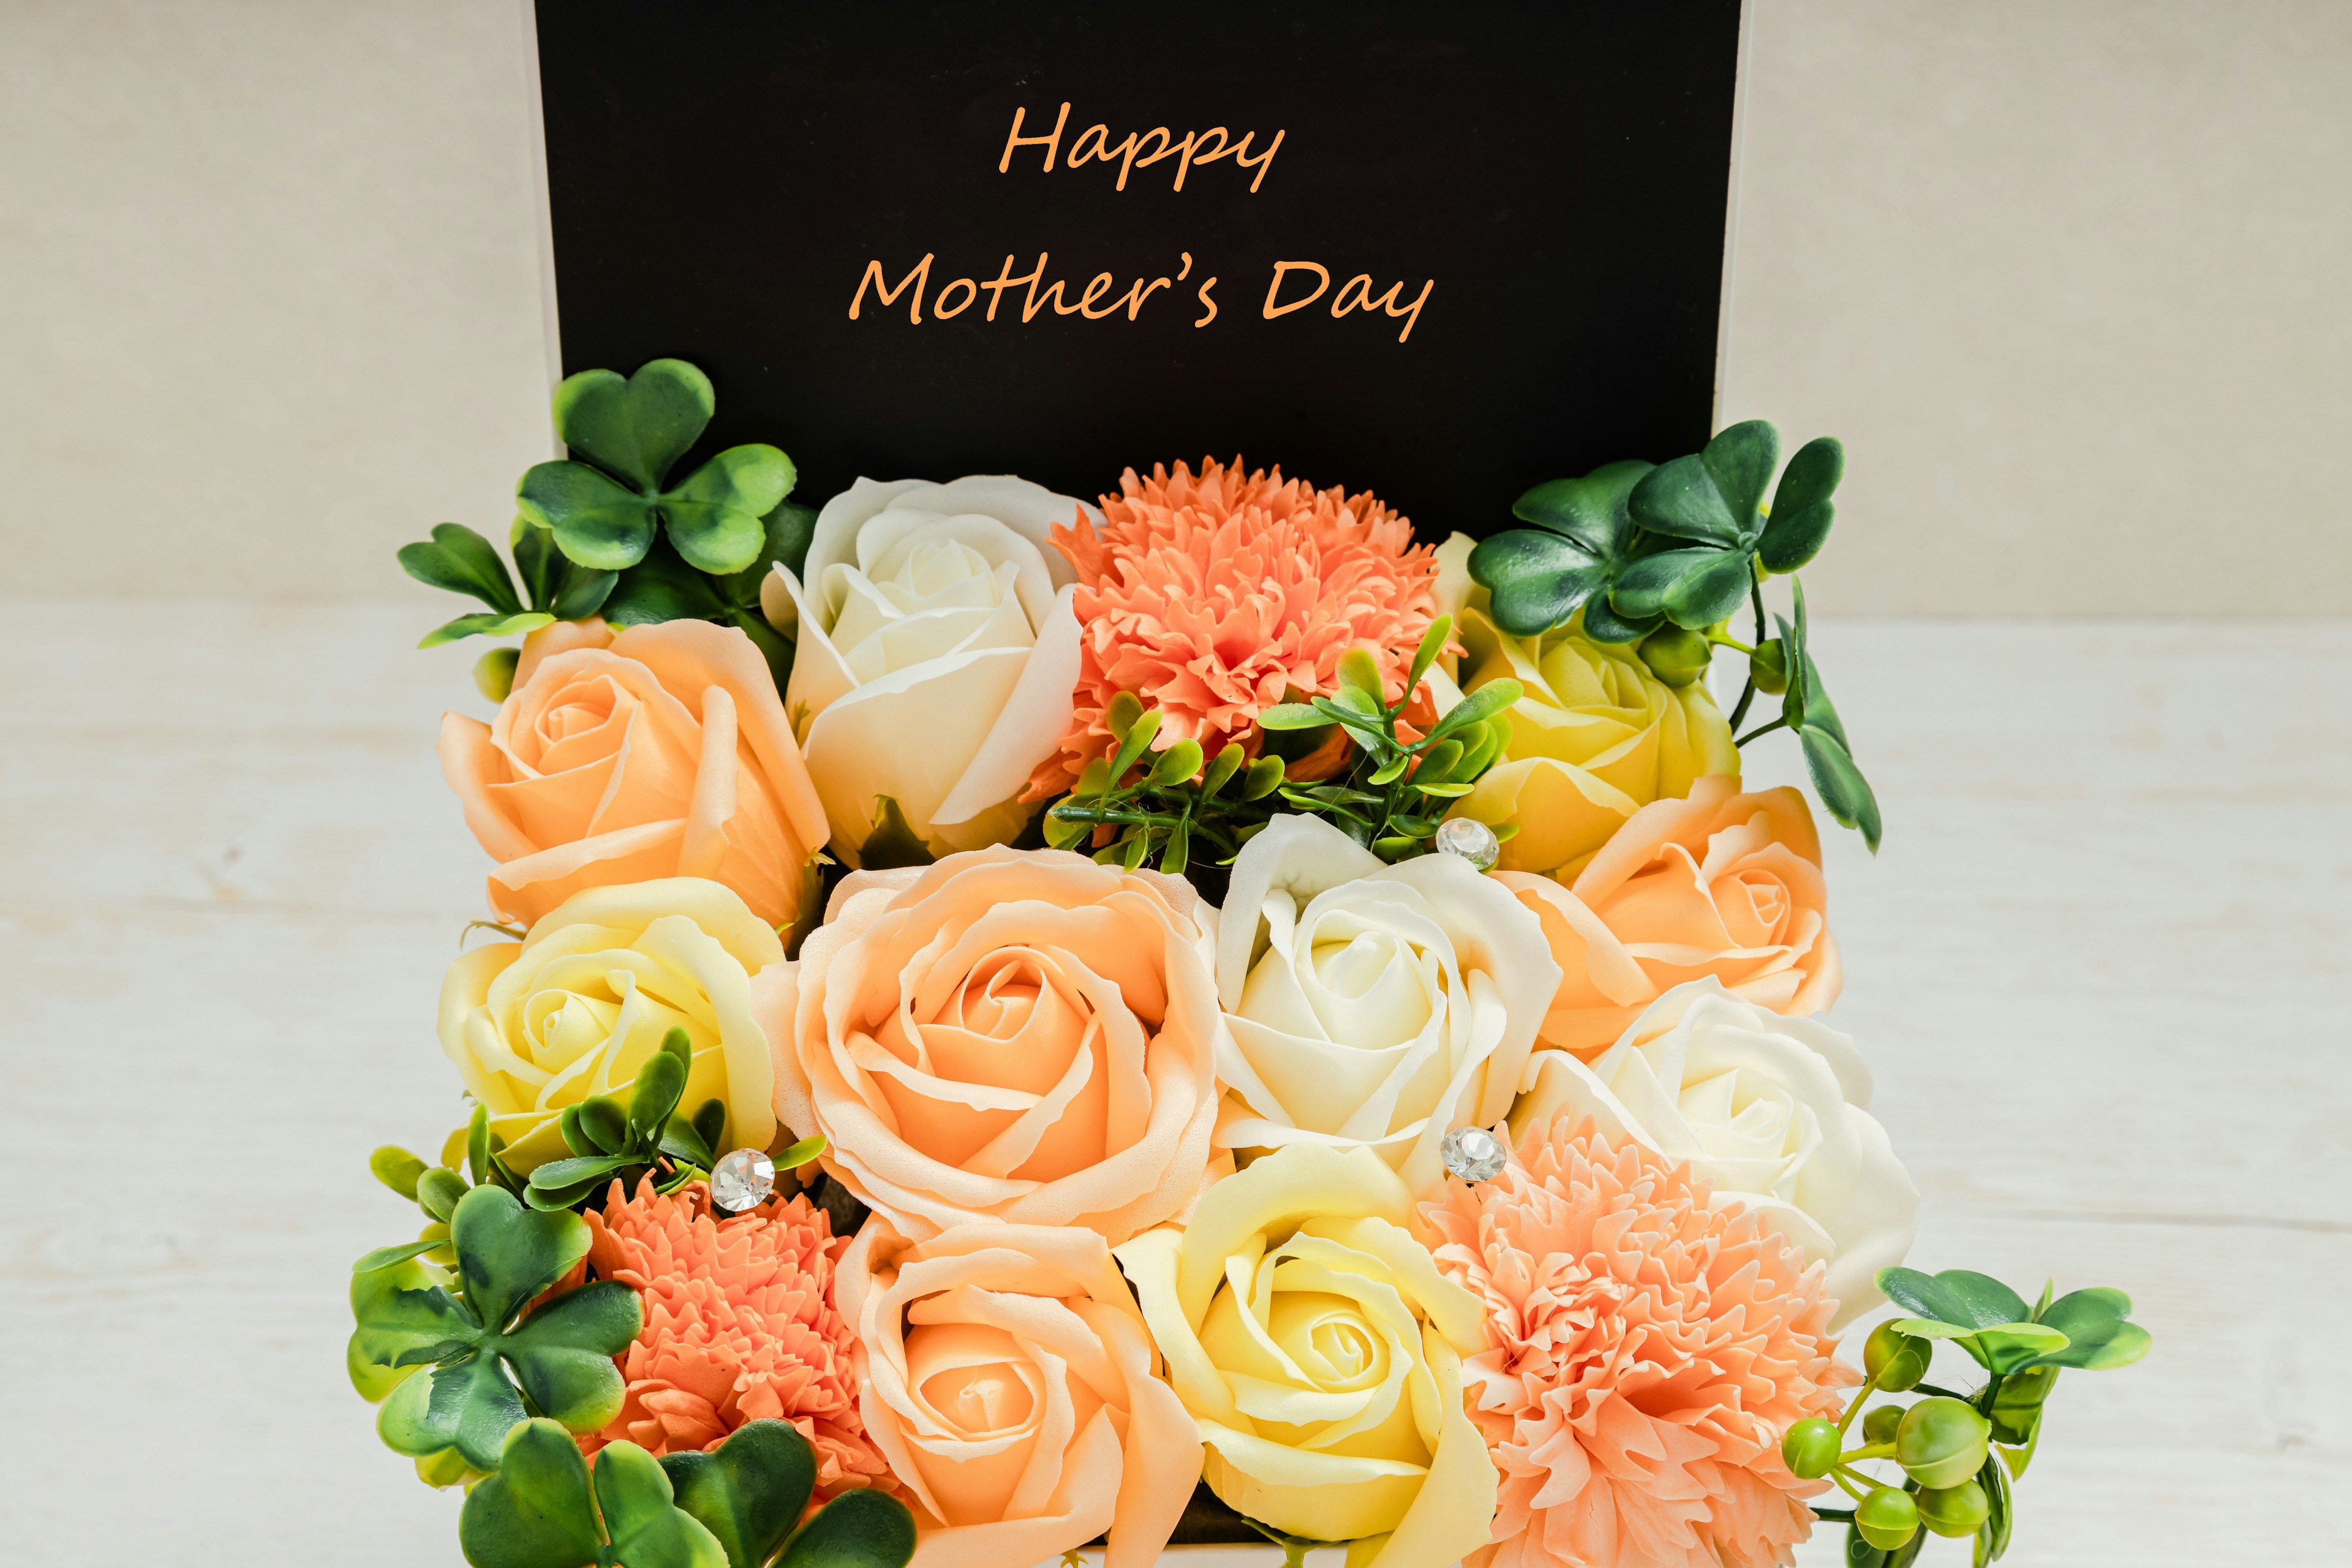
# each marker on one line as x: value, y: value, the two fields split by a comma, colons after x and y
x: 1164, y: 804
x: 1960, y: 1454
x: 738, y: 1506
x: 458, y: 1359
x: 553, y: 589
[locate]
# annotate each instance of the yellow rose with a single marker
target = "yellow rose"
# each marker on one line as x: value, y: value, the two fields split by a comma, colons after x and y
x: 574, y: 1009
x: 1596, y: 737
x: 1320, y: 1352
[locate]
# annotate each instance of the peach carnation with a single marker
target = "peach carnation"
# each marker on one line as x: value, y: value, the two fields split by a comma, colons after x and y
x: 739, y: 1326
x: 1215, y: 597
x: 1651, y: 1351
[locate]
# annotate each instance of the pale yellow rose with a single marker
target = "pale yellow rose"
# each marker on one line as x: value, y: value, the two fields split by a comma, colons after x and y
x: 1321, y: 1354
x: 574, y: 1009
x: 1596, y: 737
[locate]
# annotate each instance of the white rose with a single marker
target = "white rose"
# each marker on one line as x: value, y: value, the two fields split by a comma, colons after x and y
x: 1773, y: 1112
x: 936, y: 652
x: 1371, y: 1005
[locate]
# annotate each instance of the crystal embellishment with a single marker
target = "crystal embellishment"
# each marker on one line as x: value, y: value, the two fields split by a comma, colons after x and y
x: 742, y: 1180
x: 1473, y: 1153
x: 1470, y: 839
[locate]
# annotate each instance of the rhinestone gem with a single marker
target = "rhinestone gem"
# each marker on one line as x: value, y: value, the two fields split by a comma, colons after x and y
x: 742, y: 1180
x: 1470, y: 839
x: 1473, y: 1153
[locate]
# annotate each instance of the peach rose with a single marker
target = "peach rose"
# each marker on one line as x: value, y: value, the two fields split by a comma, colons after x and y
x: 1006, y: 1374
x: 1021, y: 1036
x: 661, y: 752
x: 1720, y: 884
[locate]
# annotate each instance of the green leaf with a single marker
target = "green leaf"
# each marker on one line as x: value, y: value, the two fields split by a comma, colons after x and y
x: 463, y: 562
x: 2118, y: 1344
x: 661, y: 587
x: 477, y: 1146
x: 535, y: 1512
x: 1062, y: 833
x: 1713, y: 498
x: 660, y: 1082
x: 1954, y: 1296
x: 1391, y: 769
x: 1262, y: 779
x: 789, y: 528
x: 465, y: 1404
x: 681, y: 1142
x: 647, y: 1530
x: 484, y: 626
x: 1291, y: 716
x: 637, y: 428
x: 1604, y: 624
x: 605, y: 1123
x: 508, y: 1254
x: 1477, y: 706
x: 562, y: 1354
x: 1845, y: 794
x: 861, y: 1528
x: 1360, y: 672
x: 439, y: 1191
x: 801, y: 1151
x: 1177, y: 764
x: 1178, y: 850
x: 2005, y: 1348
x: 1222, y: 767
x: 1692, y: 588
x: 893, y: 841
x: 396, y: 1168
x: 716, y: 518
x: 1432, y: 643
x: 595, y: 522
x: 1801, y: 508
x: 749, y: 1491
x: 402, y: 1317
x: 385, y: 1257
x: 558, y: 1174
x: 1537, y: 580
x: 1591, y: 511
x: 1140, y: 736
x: 1992, y: 1536
x: 710, y: 1123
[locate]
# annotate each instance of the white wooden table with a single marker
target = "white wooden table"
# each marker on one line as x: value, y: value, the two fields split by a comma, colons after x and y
x: 2101, y: 968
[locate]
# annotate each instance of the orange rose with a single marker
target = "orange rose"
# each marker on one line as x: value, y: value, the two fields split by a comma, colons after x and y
x: 1720, y: 884
x: 1013, y: 1034
x: 1006, y: 1374
x: 663, y: 751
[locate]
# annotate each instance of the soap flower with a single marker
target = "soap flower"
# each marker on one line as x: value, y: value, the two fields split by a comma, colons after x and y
x: 739, y: 1326
x: 1371, y: 1005
x: 662, y: 750
x: 578, y: 1005
x: 1650, y: 1349
x: 1594, y: 737
x: 1017, y: 1035
x: 1321, y: 1354
x: 1718, y: 884
x: 1772, y: 1112
x: 1008, y: 1377
x: 1215, y: 595
x: 935, y: 651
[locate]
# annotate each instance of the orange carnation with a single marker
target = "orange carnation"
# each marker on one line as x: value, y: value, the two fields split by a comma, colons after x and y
x: 1651, y: 1351
x: 739, y: 1326
x: 1215, y: 597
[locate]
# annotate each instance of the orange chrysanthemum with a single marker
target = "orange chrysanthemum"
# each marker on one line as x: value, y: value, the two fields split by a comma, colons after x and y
x: 1651, y: 1353
x: 739, y: 1326
x: 1215, y: 597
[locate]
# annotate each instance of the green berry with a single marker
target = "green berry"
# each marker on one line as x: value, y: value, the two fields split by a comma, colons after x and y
x: 1810, y: 1449
x: 1887, y: 1517
x: 1897, y: 1361
x: 1676, y: 654
x: 1941, y: 1442
x: 1879, y: 1423
x: 1769, y: 667
x: 1954, y: 1511
x: 494, y: 672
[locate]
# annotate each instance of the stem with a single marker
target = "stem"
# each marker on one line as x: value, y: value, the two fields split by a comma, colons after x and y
x: 1114, y: 818
x: 1756, y: 598
x: 1942, y: 1393
x: 1837, y: 1474
x: 1860, y: 1399
x: 1719, y: 640
x: 1761, y: 729
x: 1835, y: 1515
x: 1747, y: 695
x: 1868, y: 1451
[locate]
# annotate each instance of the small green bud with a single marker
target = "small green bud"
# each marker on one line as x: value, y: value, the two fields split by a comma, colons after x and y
x: 1953, y: 1510
x: 1810, y: 1449
x: 494, y: 672
x: 1878, y: 1424
x: 1887, y: 1517
x: 1676, y: 654
x: 1941, y: 1442
x: 1769, y: 667
x: 437, y: 1192
x: 1896, y: 1360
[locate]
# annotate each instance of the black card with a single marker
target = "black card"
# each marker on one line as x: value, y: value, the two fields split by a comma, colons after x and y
x: 1493, y: 233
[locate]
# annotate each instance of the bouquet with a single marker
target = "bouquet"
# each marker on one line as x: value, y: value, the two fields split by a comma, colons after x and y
x: 1016, y: 1027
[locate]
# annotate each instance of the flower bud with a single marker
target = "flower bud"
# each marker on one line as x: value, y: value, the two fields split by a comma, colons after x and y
x: 1879, y: 1423
x: 1769, y: 667
x: 1953, y: 1510
x: 1895, y: 1360
x: 1887, y: 1517
x: 1674, y: 655
x: 1941, y: 1442
x: 494, y: 672
x: 1810, y: 1449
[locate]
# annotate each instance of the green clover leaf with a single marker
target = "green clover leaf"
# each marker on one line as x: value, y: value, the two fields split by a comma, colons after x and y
x: 1712, y: 504
x: 477, y: 1364
x: 1584, y: 539
x: 609, y: 1143
x: 540, y: 1510
x: 749, y: 1491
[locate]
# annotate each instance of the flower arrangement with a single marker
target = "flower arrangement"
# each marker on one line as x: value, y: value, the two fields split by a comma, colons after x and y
x: 1026, y: 1028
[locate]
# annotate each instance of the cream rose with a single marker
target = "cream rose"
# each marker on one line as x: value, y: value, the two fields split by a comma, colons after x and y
x: 574, y: 1009
x: 1772, y: 1112
x: 1021, y: 1036
x: 1008, y: 1378
x: 936, y: 652
x: 1320, y: 1352
x: 1371, y: 1005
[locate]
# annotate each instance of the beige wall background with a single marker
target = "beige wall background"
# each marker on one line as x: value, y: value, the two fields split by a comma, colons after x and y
x: 2067, y: 276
